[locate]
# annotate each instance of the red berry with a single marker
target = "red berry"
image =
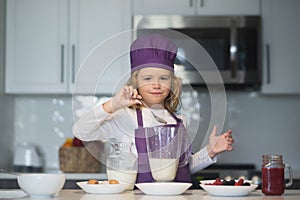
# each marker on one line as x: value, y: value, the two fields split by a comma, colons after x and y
x: 240, y: 182
x: 218, y: 181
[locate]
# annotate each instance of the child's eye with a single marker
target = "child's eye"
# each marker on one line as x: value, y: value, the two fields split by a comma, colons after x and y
x: 147, y: 78
x: 164, y: 78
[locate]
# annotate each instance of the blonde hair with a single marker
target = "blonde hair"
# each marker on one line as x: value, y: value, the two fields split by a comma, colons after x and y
x: 173, y: 102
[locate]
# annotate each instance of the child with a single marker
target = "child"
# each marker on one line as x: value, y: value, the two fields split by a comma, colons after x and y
x: 152, y: 89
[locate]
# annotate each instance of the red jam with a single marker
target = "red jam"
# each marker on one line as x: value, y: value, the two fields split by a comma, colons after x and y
x: 273, y: 181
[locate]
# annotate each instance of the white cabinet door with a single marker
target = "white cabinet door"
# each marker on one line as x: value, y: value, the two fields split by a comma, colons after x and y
x: 47, y: 40
x: 180, y: 7
x: 36, y: 42
x: 93, y: 42
x: 228, y: 7
x: 197, y: 7
x: 281, y: 31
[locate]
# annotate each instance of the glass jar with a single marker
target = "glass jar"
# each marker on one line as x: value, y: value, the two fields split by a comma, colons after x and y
x: 273, y: 175
x: 121, y: 164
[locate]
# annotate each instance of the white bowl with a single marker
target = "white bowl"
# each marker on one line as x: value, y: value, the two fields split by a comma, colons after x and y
x: 163, y: 188
x: 41, y: 185
x: 227, y: 190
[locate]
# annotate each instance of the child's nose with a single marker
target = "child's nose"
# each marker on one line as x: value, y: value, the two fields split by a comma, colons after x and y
x: 156, y: 84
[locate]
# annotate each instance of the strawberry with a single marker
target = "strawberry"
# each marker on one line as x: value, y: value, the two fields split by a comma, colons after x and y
x: 218, y: 181
x: 240, y: 182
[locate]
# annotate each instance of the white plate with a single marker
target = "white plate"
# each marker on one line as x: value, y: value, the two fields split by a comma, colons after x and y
x: 163, y: 188
x: 225, y: 190
x: 104, y: 188
x: 11, y: 194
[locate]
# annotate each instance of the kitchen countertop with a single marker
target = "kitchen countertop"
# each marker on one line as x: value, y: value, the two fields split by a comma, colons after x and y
x: 69, y: 176
x: 188, y: 195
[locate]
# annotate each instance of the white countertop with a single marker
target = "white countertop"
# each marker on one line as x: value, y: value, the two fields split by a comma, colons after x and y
x: 138, y: 195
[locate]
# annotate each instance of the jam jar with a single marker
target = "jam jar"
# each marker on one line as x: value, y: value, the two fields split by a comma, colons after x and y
x: 273, y: 175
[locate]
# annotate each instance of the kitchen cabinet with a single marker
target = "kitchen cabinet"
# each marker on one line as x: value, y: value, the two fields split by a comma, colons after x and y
x: 36, y: 36
x: 198, y: 7
x: 281, y: 30
x: 183, y: 7
x: 228, y: 7
x: 48, y: 40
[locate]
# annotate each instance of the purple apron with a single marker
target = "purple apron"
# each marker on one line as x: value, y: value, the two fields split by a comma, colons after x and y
x: 144, y: 172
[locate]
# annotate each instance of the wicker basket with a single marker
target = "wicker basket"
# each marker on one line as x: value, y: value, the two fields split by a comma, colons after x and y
x: 77, y: 160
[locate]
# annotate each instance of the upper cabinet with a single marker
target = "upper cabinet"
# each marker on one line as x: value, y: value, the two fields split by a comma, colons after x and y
x: 100, y: 43
x: 180, y: 7
x: 281, y: 30
x: 228, y: 7
x: 197, y: 7
x: 59, y: 46
x: 36, y: 46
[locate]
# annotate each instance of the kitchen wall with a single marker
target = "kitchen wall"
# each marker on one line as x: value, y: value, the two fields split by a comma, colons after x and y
x: 260, y: 125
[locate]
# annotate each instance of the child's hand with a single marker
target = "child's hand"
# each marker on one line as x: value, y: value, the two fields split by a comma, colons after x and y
x: 127, y: 96
x: 219, y: 143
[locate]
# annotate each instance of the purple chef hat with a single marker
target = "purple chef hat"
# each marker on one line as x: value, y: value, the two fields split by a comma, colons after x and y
x: 152, y: 51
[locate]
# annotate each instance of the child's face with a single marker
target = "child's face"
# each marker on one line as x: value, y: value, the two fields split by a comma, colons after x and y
x: 154, y: 84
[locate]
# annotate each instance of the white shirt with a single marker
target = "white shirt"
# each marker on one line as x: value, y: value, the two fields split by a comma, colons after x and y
x: 100, y: 125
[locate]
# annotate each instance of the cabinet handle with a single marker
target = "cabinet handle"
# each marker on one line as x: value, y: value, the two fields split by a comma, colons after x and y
x: 202, y: 3
x: 268, y: 64
x: 191, y: 3
x: 62, y: 64
x: 73, y: 63
x: 233, y: 49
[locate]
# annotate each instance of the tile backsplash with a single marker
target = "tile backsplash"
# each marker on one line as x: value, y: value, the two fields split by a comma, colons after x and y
x: 260, y: 124
x: 45, y: 122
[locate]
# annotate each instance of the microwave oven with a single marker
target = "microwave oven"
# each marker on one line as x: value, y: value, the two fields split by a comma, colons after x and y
x: 232, y: 42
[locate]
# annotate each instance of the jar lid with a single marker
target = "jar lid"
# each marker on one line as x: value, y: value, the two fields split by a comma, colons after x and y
x: 272, y: 157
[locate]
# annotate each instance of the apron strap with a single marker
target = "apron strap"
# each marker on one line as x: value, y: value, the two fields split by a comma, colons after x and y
x: 178, y: 120
x: 139, y: 117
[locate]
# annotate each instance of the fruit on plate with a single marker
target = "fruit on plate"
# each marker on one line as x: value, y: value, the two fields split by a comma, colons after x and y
x: 232, y: 182
x: 111, y: 181
x: 92, y: 181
